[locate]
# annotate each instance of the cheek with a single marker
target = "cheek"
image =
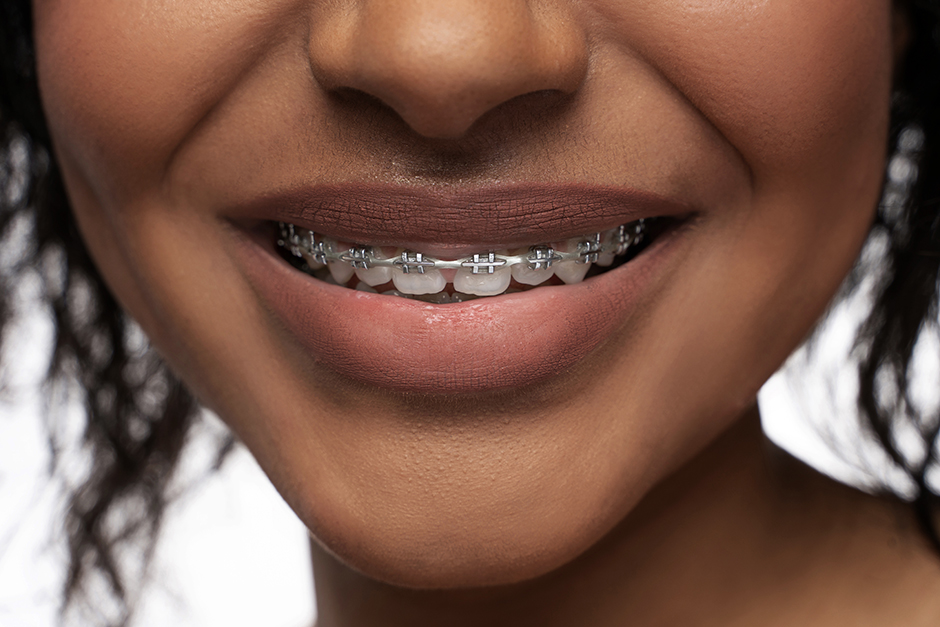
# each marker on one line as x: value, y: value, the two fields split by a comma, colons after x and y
x: 124, y: 82
x: 801, y: 90
x: 786, y: 82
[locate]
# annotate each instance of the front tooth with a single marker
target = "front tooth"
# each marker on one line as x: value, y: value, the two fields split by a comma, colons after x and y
x: 430, y: 282
x: 376, y: 275
x: 362, y: 287
x: 522, y: 273
x: 341, y: 271
x: 484, y: 283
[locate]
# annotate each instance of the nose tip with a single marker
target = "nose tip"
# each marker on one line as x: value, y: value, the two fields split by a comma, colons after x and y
x: 442, y: 64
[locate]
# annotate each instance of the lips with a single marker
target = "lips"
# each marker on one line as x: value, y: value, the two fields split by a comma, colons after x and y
x: 498, y: 343
x: 456, y: 222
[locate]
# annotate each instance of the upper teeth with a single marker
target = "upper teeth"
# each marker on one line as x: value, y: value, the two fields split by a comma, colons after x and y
x: 482, y: 274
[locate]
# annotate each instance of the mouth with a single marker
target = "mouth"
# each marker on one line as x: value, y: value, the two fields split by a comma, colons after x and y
x: 396, y: 294
x: 400, y: 272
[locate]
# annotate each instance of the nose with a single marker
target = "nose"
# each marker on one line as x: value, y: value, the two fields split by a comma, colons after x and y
x: 442, y: 64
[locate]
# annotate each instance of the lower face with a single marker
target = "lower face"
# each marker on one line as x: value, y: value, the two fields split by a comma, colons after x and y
x: 442, y: 440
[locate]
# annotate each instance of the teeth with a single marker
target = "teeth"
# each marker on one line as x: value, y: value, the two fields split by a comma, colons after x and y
x: 300, y: 242
x: 341, y: 271
x: 571, y: 271
x: 311, y: 262
x: 527, y: 276
x: 416, y: 283
x: 607, y: 239
x: 416, y: 275
x: 376, y: 275
x: 484, y: 283
x: 605, y: 259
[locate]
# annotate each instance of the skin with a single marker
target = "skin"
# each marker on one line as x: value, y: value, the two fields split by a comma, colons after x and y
x: 637, y: 485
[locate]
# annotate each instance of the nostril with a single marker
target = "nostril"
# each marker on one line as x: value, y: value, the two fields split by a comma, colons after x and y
x: 441, y: 66
x: 459, y: 117
x: 357, y: 98
x: 521, y: 114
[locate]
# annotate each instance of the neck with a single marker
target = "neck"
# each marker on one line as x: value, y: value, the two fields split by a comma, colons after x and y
x: 743, y: 533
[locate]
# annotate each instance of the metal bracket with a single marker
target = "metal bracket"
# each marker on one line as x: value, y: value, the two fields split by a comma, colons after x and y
x: 358, y: 257
x: 541, y: 257
x: 414, y: 261
x: 590, y: 250
x: 484, y: 262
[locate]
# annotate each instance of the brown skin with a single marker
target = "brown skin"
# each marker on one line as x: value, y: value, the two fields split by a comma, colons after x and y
x: 743, y: 535
x: 769, y: 117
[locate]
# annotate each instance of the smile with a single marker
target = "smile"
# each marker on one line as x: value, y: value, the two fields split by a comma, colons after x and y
x: 406, y: 273
x: 385, y: 286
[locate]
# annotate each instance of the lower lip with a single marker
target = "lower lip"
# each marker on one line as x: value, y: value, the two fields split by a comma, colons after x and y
x: 490, y: 344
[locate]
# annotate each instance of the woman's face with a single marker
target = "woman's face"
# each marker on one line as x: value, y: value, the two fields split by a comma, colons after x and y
x: 492, y: 440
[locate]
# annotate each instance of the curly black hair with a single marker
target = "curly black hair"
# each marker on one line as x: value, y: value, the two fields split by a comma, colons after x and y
x: 138, y: 413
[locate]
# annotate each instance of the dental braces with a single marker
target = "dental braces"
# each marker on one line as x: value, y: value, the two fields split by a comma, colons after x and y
x: 540, y: 257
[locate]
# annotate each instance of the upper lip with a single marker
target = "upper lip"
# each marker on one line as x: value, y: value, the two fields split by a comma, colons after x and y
x: 495, y: 216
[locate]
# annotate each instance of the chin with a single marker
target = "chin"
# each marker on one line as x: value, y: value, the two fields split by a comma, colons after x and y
x: 437, y: 550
